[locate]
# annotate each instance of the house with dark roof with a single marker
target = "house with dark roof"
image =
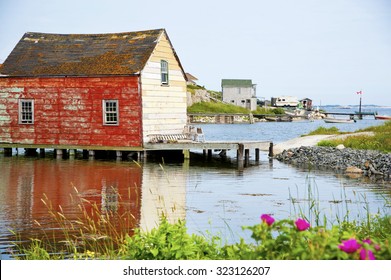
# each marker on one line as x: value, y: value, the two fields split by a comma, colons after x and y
x: 91, y: 91
x: 240, y: 93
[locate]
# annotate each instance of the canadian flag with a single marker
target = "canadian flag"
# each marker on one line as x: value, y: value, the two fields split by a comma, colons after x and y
x: 359, y: 92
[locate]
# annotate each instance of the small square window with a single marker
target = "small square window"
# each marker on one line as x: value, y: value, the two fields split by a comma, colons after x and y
x: 110, y: 112
x: 26, y: 111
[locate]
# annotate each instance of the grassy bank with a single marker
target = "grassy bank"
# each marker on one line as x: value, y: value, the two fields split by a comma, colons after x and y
x: 381, y: 140
x: 273, y: 240
x: 223, y: 108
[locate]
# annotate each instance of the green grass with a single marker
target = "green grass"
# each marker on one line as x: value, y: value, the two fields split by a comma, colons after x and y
x: 324, y: 131
x: 224, y: 108
x: 380, y: 141
x: 212, y: 107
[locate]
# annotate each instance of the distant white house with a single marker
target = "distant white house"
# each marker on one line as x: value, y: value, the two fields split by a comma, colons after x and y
x: 240, y: 93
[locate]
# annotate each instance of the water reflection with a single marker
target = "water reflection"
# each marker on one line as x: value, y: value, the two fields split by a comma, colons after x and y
x: 209, y: 195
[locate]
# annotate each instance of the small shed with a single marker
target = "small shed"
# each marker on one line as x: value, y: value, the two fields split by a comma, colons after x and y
x: 240, y: 93
x: 306, y: 103
x: 91, y: 91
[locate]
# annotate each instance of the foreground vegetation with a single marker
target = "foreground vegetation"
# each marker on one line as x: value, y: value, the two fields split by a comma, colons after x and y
x: 96, y: 235
x: 381, y: 139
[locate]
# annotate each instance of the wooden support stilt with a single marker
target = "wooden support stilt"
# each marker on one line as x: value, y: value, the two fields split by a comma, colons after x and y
x: 257, y: 154
x: 271, y: 152
x: 58, y: 153
x: 72, y: 153
x: 8, y: 152
x: 246, y: 154
x: 42, y: 152
x: 91, y: 154
x: 209, y: 153
x: 186, y: 154
x: 240, y: 152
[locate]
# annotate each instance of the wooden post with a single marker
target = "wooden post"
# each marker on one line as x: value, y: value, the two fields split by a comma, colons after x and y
x: 58, y: 153
x: 271, y: 153
x: 91, y: 154
x: 257, y: 154
x: 72, y: 153
x: 246, y: 154
x: 209, y: 153
x: 240, y: 154
x: 42, y: 152
x: 246, y: 157
x: 8, y: 152
x: 186, y: 154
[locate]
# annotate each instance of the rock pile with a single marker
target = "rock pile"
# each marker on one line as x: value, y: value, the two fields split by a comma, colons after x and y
x: 340, y: 159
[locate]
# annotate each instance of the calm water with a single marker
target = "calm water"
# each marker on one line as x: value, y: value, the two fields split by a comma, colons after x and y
x: 211, y: 196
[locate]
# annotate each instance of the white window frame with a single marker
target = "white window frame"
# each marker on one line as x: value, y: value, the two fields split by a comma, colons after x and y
x: 26, y: 113
x: 164, y: 72
x: 109, y: 113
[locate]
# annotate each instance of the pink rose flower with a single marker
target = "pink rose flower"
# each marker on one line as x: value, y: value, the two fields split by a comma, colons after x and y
x: 366, y: 254
x: 368, y: 241
x: 269, y: 220
x: 302, y: 224
x: 349, y: 246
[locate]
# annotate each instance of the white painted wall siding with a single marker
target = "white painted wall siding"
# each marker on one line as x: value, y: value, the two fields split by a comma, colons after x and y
x: 164, y: 106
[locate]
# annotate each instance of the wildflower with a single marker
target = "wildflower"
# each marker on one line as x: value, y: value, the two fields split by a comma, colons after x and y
x: 368, y: 241
x: 269, y: 220
x: 349, y: 246
x: 366, y: 254
x: 302, y: 224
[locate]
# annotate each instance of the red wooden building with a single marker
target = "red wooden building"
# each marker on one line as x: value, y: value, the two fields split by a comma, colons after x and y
x: 91, y: 91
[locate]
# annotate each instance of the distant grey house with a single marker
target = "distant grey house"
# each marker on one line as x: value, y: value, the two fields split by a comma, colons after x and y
x: 240, y: 93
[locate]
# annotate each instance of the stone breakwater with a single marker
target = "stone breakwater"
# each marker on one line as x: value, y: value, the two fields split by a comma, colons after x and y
x: 346, y: 160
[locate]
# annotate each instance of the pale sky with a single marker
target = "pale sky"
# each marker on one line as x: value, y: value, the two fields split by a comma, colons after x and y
x: 326, y: 50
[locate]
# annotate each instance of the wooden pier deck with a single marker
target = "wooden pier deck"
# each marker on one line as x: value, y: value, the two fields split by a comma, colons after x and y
x: 351, y: 115
x: 243, y: 149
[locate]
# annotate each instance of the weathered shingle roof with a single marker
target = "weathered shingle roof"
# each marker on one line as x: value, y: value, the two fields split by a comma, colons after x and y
x: 236, y: 83
x: 42, y: 54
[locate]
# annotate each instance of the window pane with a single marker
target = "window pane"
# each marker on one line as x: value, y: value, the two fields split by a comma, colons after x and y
x: 26, y: 111
x: 164, y: 71
x: 111, y: 112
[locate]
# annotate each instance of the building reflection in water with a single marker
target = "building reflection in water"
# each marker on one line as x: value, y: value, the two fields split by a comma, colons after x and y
x: 124, y: 188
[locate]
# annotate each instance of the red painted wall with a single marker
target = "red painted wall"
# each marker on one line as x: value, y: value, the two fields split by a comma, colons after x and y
x: 68, y: 111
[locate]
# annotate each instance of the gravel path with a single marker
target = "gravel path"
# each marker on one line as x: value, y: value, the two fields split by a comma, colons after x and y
x: 309, y: 141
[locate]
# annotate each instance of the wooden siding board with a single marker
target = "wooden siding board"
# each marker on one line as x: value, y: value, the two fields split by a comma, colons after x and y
x: 164, y: 107
x: 68, y: 111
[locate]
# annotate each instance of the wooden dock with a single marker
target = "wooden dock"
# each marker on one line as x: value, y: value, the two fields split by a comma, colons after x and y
x: 351, y: 115
x: 243, y: 149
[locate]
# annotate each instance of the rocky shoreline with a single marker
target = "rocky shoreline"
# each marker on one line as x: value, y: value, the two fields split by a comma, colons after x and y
x: 341, y: 159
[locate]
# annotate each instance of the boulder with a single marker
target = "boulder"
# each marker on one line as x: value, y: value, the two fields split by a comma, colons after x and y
x: 353, y: 169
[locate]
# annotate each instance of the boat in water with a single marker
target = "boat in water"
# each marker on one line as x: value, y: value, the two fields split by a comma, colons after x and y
x: 382, y: 117
x: 279, y: 119
x: 335, y: 120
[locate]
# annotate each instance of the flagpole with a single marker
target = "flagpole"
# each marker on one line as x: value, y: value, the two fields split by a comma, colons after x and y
x: 359, y: 108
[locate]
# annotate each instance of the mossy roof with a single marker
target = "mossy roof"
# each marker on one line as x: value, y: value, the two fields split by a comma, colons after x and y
x: 236, y: 83
x: 43, y: 54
